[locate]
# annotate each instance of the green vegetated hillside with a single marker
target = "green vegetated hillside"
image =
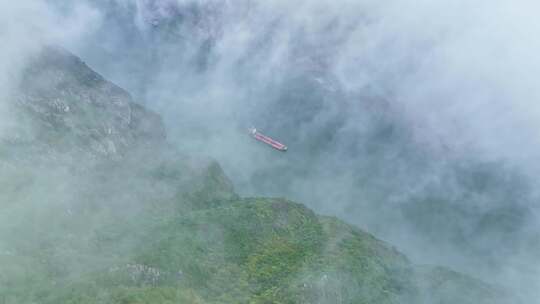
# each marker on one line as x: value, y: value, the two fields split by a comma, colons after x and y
x: 96, y: 207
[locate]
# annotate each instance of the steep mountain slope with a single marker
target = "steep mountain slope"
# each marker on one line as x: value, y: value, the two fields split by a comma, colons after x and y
x: 96, y: 207
x: 75, y: 109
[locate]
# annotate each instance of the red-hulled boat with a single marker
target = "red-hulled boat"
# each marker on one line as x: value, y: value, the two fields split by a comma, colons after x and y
x: 267, y: 140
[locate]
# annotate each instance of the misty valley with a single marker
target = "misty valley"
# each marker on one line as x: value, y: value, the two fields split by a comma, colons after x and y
x: 195, y: 151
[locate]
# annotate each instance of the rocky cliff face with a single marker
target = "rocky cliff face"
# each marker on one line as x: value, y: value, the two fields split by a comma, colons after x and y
x: 96, y: 207
x: 70, y: 110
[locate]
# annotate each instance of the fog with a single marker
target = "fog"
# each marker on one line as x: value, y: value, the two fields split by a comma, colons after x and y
x: 382, y: 105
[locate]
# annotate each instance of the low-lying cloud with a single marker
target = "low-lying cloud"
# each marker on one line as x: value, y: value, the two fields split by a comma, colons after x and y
x: 381, y: 104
